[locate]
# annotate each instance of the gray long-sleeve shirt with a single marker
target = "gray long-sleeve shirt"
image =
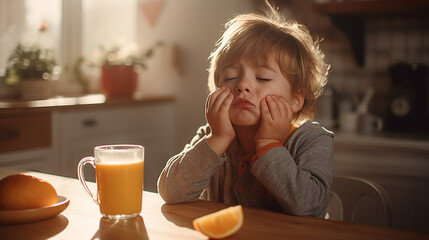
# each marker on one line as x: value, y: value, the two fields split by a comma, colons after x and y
x: 294, y: 178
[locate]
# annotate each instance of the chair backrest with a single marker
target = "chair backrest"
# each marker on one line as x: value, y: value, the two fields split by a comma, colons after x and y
x: 359, y: 200
x: 335, y: 207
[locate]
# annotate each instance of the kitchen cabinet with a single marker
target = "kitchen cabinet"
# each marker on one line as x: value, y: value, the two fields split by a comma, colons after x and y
x: 350, y: 17
x: 401, y: 166
x: 26, y: 140
x: 24, y: 131
x: 55, y: 136
x: 38, y: 159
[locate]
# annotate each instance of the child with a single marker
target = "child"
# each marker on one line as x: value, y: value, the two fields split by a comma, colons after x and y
x: 258, y: 148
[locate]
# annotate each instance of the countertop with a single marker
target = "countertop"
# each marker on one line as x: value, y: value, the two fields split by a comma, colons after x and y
x: 10, y: 106
x: 397, y: 142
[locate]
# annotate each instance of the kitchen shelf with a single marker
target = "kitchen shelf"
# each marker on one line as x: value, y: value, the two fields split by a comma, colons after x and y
x: 383, y: 142
x: 374, y: 8
x: 350, y: 17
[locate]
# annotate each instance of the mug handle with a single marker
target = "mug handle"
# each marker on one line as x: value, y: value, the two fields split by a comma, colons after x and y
x: 378, y: 124
x: 81, y: 176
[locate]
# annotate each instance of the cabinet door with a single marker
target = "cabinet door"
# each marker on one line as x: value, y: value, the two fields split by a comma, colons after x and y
x: 25, y: 141
x: 25, y: 131
x: 35, y: 160
x: 152, y: 126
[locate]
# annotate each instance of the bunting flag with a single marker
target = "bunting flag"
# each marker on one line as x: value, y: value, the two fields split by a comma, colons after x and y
x: 151, y: 10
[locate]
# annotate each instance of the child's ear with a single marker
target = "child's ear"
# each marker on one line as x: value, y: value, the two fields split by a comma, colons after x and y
x: 297, y: 102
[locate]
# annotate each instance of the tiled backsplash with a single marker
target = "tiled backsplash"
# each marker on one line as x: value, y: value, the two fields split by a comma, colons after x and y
x: 392, y: 40
x: 388, y: 41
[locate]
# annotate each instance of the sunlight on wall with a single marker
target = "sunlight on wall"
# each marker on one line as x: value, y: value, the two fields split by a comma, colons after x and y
x: 108, y: 22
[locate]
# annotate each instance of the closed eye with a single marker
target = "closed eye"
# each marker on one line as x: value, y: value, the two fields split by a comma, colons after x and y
x: 263, y: 79
x: 230, y: 78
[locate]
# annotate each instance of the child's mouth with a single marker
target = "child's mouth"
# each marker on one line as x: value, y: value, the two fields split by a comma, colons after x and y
x: 242, y: 102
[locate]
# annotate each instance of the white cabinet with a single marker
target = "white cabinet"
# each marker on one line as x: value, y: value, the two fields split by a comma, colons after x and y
x: 38, y: 159
x: 78, y: 131
x: 400, y: 166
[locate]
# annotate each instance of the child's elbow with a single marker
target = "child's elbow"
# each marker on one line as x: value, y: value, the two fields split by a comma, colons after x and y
x: 167, y: 198
x: 169, y: 194
x: 166, y: 194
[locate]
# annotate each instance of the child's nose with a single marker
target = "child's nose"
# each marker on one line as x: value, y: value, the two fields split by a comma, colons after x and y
x: 243, y: 85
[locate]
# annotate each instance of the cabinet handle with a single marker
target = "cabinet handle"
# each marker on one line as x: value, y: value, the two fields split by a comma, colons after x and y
x: 90, y: 122
x: 8, y: 134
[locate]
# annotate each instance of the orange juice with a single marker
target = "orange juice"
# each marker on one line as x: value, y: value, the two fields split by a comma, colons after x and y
x: 120, y: 187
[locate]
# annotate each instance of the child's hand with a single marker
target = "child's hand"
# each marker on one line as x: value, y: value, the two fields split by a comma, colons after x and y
x: 217, y: 115
x: 276, y: 118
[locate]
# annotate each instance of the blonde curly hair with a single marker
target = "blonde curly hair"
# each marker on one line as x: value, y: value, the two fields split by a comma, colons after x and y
x: 270, y: 37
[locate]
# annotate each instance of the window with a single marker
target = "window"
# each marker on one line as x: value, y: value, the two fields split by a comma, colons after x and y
x: 74, y: 28
x: 20, y: 21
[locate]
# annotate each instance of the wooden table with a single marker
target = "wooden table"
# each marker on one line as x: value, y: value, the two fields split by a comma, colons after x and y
x: 82, y: 220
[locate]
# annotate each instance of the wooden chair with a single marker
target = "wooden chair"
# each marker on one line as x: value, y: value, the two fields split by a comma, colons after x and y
x: 359, y: 200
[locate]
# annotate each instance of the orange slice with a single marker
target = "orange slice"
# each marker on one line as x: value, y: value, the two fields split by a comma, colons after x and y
x: 220, y: 224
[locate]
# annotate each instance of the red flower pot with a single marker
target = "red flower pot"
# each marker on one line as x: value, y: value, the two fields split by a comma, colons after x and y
x: 118, y: 80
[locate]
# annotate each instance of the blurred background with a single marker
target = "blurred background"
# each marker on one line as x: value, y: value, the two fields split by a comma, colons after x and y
x: 363, y: 48
x: 376, y: 100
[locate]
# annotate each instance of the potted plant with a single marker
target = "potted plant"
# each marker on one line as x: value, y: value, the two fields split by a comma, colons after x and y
x: 118, y: 69
x: 30, y: 68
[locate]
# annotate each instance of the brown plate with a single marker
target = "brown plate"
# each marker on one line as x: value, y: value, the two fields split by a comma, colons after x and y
x: 34, y: 214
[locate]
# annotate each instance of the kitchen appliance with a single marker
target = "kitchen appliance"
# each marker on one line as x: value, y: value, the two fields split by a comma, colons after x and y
x: 408, y: 109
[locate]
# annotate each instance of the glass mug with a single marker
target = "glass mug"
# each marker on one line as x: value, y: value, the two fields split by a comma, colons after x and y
x: 119, y: 175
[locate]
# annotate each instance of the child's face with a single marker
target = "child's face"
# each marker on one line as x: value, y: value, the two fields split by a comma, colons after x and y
x: 250, y: 83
